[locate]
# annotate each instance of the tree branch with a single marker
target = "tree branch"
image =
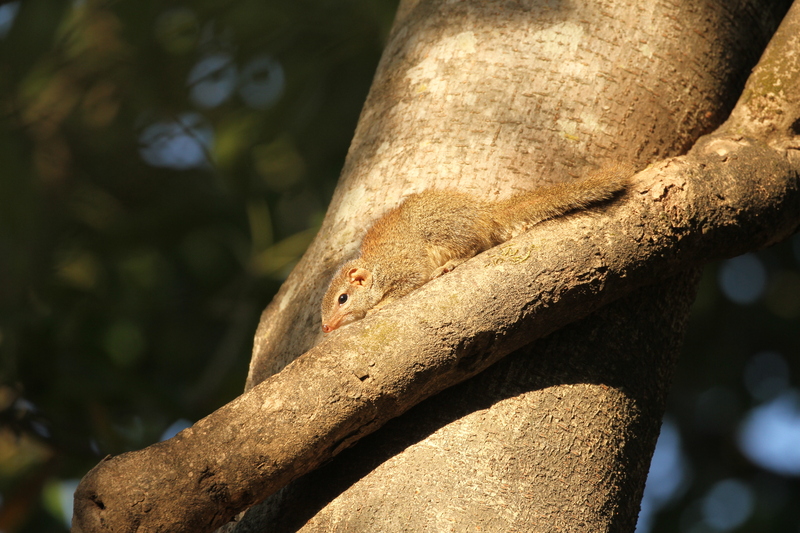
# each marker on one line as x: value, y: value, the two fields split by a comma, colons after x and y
x: 769, y: 107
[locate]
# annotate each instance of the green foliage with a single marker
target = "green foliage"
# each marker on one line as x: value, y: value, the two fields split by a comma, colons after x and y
x: 164, y: 165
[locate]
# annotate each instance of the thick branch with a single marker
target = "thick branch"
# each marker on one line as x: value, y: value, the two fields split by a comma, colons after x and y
x: 769, y: 107
x: 677, y: 214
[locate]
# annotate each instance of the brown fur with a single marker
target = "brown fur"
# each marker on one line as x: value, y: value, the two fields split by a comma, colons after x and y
x: 432, y: 232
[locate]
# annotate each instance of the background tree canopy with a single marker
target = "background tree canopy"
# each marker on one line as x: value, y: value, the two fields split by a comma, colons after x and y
x: 162, y: 167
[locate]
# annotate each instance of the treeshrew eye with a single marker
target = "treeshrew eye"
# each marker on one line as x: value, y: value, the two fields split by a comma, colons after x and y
x: 342, y: 299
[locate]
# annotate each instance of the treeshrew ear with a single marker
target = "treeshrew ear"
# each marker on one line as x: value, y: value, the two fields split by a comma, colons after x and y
x: 359, y: 276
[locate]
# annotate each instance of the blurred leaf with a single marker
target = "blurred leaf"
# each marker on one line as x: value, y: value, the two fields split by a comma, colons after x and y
x: 124, y: 343
x: 234, y: 137
x: 274, y: 260
x: 80, y: 269
x: 177, y: 30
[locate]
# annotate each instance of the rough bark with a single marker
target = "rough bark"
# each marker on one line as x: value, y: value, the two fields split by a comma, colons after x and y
x: 559, y: 435
x: 490, y: 97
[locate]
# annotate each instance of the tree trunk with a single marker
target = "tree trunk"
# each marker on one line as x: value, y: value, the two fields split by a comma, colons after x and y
x: 489, y: 98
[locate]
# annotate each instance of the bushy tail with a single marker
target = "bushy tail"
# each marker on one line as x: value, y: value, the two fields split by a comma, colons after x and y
x: 523, y: 210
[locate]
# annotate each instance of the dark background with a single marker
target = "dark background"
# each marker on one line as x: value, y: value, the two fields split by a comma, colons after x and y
x: 162, y: 167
